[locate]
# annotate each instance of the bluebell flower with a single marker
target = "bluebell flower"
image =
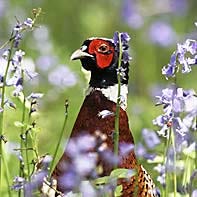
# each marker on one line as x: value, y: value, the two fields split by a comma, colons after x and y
x: 18, y: 183
x: 150, y: 137
x: 87, y: 189
x: 17, y: 58
x: 179, y: 7
x: 162, y: 120
x: 185, y: 57
x: 18, y: 90
x: 17, y: 39
x: 131, y: 14
x: 81, y: 144
x: 161, y: 33
x: 176, y: 101
x: 28, y: 22
x: 18, y: 27
x: 125, y: 38
x: 69, y: 180
x: 194, y: 193
x: 62, y: 77
x: 126, y: 148
x: 169, y: 70
x: 6, y: 54
x: 46, y: 62
x: 162, y: 179
x: 160, y: 168
x: 179, y: 126
x: 35, y: 184
x: 140, y: 150
x: 35, y: 96
x: 109, y: 157
x: 84, y: 163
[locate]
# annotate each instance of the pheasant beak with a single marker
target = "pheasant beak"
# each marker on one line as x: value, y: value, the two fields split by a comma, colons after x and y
x: 80, y: 54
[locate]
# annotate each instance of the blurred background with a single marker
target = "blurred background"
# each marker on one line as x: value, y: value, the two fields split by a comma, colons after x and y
x: 155, y: 27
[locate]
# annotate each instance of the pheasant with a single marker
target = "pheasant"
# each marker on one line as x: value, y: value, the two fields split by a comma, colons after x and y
x: 100, y: 57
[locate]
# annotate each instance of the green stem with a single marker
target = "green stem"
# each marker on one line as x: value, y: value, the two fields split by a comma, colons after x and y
x: 60, y: 137
x: 165, y: 160
x: 22, y: 144
x: 117, y: 114
x: 2, y: 106
x: 7, y: 175
x: 174, y: 170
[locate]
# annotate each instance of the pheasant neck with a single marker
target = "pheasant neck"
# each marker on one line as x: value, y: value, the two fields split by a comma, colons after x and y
x: 111, y: 93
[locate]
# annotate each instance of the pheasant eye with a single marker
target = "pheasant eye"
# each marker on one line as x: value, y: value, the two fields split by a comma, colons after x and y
x: 103, y: 48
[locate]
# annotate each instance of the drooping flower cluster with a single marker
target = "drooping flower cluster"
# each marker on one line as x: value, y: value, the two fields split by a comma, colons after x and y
x: 180, y: 111
x: 182, y: 59
x: 178, y: 121
x: 83, y: 167
x: 13, y: 72
x: 36, y: 180
x: 125, y: 38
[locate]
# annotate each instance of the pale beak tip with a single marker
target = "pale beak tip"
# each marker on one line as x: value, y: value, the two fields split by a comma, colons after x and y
x: 78, y: 54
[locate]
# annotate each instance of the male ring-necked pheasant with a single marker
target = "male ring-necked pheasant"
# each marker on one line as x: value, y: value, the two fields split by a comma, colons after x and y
x: 100, y: 57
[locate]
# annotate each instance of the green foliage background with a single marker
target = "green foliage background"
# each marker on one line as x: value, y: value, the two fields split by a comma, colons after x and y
x: 69, y: 23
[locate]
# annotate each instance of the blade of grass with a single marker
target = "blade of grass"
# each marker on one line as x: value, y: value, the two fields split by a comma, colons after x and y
x: 60, y: 137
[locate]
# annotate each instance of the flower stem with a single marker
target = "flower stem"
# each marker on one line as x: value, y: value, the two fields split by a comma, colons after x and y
x: 117, y: 114
x: 7, y: 175
x: 165, y: 160
x: 60, y: 137
x: 2, y: 106
x: 174, y: 158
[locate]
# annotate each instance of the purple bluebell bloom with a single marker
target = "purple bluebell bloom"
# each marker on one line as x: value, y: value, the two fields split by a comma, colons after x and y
x: 18, y: 183
x: 171, y: 68
x: 17, y: 58
x: 87, y: 189
x: 62, y: 77
x: 85, y: 163
x: 179, y: 7
x: 150, y: 137
x: 124, y: 36
x: 160, y: 168
x: 126, y: 148
x: 35, y: 96
x: 131, y: 14
x: 176, y: 101
x: 28, y: 22
x: 6, y: 54
x: 81, y: 144
x: 162, y: 179
x: 194, y: 193
x: 185, y: 57
x: 140, y: 150
x: 17, y: 39
x: 109, y: 157
x: 161, y: 33
x: 69, y: 180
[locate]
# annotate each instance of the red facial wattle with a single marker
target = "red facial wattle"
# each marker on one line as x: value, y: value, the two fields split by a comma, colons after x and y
x: 103, y: 51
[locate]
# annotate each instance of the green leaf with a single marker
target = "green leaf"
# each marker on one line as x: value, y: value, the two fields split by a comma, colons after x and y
x: 118, y: 191
x: 102, y: 180
x: 122, y: 173
x: 190, y: 151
